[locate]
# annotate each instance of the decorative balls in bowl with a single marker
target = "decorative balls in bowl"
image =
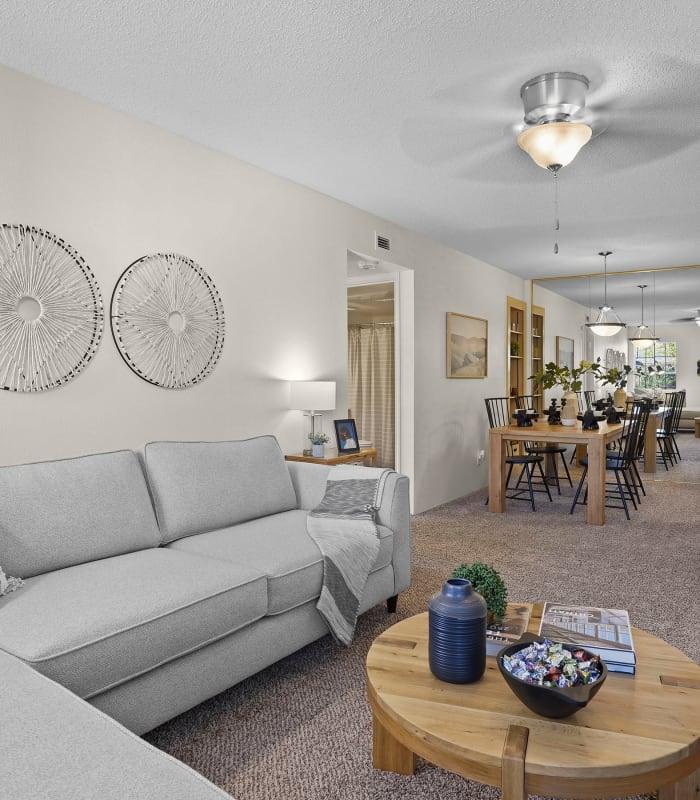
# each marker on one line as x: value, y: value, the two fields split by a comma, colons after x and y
x: 551, y: 679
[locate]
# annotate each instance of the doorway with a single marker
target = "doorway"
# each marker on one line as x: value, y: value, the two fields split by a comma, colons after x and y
x: 402, y: 280
x: 372, y: 367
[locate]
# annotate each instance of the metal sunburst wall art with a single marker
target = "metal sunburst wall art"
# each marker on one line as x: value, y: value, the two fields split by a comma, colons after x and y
x: 51, y: 315
x: 168, y: 320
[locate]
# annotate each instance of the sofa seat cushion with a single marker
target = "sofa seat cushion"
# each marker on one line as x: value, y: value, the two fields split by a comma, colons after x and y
x: 56, y: 514
x: 280, y: 548
x: 94, y: 626
x: 55, y: 746
x: 204, y: 486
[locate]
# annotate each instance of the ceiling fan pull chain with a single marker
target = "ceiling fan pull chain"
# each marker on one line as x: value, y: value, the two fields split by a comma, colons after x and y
x: 556, y: 210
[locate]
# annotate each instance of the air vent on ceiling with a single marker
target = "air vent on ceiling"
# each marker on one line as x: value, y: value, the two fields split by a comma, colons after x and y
x: 381, y: 242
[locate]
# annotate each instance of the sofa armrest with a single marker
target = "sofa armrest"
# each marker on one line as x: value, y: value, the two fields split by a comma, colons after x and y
x: 55, y: 745
x: 310, y: 485
x: 394, y: 513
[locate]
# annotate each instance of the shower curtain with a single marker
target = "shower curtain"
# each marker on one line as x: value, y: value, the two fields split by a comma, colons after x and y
x: 371, y: 386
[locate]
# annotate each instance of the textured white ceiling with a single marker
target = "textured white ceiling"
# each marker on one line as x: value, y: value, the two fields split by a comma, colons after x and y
x: 406, y: 108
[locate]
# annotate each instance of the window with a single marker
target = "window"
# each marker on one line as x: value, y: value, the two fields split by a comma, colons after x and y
x: 659, y: 354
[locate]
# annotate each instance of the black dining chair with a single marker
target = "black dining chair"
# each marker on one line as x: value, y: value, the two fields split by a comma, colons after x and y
x: 621, y: 463
x: 586, y: 398
x: 549, y: 451
x: 498, y: 413
x: 676, y: 411
x: 665, y: 435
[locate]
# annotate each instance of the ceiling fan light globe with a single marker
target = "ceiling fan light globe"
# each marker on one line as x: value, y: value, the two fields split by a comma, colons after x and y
x: 554, y: 143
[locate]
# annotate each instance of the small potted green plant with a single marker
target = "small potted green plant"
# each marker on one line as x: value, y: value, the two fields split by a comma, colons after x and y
x: 318, y: 440
x: 486, y: 580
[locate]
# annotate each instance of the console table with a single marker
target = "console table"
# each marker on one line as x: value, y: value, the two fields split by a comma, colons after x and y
x: 368, y: 454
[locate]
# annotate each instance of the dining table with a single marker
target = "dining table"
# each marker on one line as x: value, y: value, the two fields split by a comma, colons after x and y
x: 596, y: 442
x: 656, y: 421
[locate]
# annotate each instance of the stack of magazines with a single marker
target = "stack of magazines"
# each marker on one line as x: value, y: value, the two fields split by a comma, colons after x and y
x: 605, y: 631
x: 511, y: 628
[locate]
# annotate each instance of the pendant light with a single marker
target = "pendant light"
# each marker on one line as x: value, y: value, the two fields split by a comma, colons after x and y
x: 642, y: 335
x: 608, y: 323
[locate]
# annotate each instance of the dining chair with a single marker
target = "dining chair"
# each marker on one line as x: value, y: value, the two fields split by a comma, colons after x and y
x: 621, y: 463
x: 498, y: 413
x: 586, y: 398
x: 677, y: 421
x: 549, y: 451
x: 665, y: 435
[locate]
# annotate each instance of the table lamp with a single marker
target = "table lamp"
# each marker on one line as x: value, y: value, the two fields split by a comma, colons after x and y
x: 310, y: 397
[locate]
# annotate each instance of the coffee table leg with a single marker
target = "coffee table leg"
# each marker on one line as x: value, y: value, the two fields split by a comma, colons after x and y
x: 388, y: 753
x: 686, y: 789
x: 513, y: 763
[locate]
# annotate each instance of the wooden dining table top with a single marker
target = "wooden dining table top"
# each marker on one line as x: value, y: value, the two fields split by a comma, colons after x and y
x: 543, y: 431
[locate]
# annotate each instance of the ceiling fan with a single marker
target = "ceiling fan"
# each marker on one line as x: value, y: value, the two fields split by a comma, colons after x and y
x: 695, y: 319
x: 472, y: 128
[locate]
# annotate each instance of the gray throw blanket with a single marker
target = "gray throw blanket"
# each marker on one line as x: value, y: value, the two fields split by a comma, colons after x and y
x: 343, y: 526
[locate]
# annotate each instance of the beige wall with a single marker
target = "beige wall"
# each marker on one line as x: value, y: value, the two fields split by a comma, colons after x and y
x: 116, y: 189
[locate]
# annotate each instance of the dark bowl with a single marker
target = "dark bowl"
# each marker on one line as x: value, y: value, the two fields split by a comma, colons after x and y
x: 550, y: 701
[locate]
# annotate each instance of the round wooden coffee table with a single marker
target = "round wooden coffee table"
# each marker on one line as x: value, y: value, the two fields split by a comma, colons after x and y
x: 640, y: 733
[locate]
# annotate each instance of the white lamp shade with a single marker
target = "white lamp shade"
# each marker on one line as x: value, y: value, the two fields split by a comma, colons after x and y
x: 554, y: 142
x: 312, y: 395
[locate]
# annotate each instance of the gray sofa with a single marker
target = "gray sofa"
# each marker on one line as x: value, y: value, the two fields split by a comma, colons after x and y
x: 687, y: 420
x: 153, y: 583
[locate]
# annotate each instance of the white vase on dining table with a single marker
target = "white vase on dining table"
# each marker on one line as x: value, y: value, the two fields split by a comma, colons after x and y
x: 569, y: 408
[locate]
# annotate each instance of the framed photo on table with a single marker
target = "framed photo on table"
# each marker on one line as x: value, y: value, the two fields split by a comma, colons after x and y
x: 565, y: 352
x: 346, y: 436
x: 467, y: 346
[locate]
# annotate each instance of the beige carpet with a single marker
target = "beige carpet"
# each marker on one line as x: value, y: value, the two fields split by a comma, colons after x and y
x: 301, y: 729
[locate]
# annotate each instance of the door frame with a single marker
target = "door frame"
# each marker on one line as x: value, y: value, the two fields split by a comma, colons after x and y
x: 404, y: 360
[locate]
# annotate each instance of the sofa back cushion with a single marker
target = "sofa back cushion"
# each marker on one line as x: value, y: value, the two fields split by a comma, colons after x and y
x: 203, y: 486
x: 56, y: 514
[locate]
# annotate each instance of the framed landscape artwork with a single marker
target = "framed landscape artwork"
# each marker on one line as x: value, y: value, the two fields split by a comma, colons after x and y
x: 565, y: 352
x: 467, y: 346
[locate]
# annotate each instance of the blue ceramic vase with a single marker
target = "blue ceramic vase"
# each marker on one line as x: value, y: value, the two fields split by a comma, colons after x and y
x: 457, y: 633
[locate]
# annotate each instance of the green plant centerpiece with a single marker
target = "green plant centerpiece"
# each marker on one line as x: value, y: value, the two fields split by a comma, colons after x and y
x: 614, y: 376
x: 318, y: 438
x: 488, y: 583
x: 570, y: 380
x: 617, y: 377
